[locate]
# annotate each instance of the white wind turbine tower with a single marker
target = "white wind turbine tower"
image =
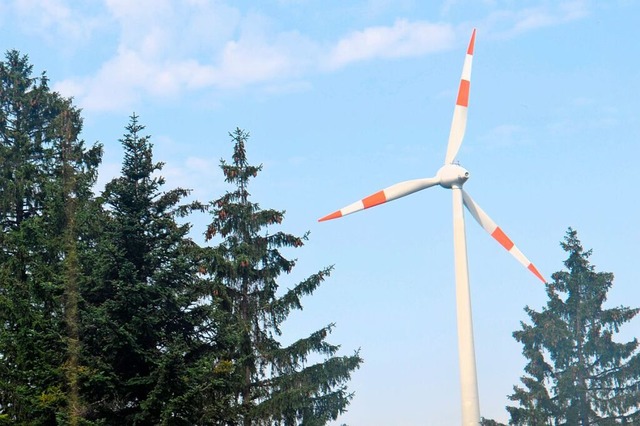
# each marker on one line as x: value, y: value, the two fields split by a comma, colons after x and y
x: 452, y: 176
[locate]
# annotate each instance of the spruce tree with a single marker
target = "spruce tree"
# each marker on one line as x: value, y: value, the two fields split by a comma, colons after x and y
x: 490, y: 422
x: 140, y: 326
x: 43, y: 165
x: 576, y: 373
x: 256, y: 380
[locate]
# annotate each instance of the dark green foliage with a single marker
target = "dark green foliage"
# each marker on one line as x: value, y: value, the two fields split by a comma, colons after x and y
x: 490, y: 422
x: 261, y: 381
x: 140, y: 319
x: 111, y: 315
x: 577, y: 374
x: 39, y: 150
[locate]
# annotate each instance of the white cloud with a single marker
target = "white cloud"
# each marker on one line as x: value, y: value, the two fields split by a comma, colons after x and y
x: 507, y: 23
x: 170, y: 28
x: 403, y: 39
x: 202, y: 177
x: 201, y: 165
x: 55, y: 20
x: 168, y: 47
x: 111, y: 87
x: 256, y: 59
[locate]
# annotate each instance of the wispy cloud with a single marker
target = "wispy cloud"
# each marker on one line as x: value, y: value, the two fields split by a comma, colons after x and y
x: 55, y: 20
x: 259, y: 58
x: 166, y: 48
x: 506, y: 22
x: 403, y: 39
x: 124, y: 79
x: 201, y: 176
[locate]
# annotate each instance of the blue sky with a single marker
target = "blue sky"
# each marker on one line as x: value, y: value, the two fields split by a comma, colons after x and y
x: 345, y: 98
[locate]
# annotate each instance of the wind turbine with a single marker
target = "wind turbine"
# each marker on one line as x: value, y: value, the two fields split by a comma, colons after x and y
x: 453, y: 176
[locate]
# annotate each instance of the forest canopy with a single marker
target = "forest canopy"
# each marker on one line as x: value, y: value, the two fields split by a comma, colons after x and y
x: 111, y: 313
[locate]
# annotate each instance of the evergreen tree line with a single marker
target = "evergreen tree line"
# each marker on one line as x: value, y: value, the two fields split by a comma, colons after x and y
x: 111, y: 314
x: 576, y: 373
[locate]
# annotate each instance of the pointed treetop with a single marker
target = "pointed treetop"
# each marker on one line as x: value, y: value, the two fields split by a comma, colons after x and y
x: 239, y: 172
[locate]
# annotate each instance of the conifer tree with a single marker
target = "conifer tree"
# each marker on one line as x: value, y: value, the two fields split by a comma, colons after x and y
x: 257, y: 380
x: 576, y: 373
x: 74, y: 196
x: 490, y: 422
x: 39, y: 146
x: 140, y: 326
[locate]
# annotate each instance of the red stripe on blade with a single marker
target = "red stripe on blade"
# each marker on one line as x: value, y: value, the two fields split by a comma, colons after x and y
x: 374, y: 200
x: 333, y: 215
x: 535, y: 272
x: 463, y: 93
x: 502, y: 238
x: 472, y: 42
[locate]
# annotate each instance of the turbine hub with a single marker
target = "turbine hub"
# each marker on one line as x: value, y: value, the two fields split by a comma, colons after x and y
x: 452, y: 175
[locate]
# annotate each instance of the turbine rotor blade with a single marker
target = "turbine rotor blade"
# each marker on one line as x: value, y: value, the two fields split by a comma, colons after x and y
x: 496, y: 232
x: 459, y: 122
x: 388, y: 194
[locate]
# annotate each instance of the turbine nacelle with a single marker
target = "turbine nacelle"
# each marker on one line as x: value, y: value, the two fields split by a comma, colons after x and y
x: 452, y: 175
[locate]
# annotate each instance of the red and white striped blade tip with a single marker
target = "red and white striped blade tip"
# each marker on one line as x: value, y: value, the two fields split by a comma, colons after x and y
x: 390, y: 193
x: 372, y: 200
x: 333, y: 215
x: 502, y: 238
x: 498, y: 234
x: 472, y: 42
x: 459, y: 121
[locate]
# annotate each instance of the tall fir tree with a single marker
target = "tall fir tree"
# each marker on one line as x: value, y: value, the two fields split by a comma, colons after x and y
x: 576, y: 373
x: 257, y: 380
x: 39, y: 151
x: 140, y: 325
x: 75, y: 201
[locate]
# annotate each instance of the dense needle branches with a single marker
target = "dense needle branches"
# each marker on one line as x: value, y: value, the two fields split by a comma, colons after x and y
x: 576, y: 373
x: 111, y: 314
x: 139, y: 322
x: 43, y: 165
x: 46, y: 174
x: 267, y: 383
